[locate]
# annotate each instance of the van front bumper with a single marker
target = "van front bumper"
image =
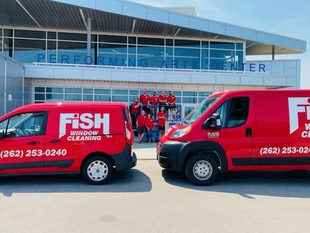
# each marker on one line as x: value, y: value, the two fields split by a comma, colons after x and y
x: 170, y: 155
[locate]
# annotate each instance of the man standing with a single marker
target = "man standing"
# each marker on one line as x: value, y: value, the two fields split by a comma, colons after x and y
x: 162, y: 99
x: 149, y: 123
x: 162, y: 117
x: 135, y: 111
x: 171, y: 99
x: 141, y: 119
x: 145, y: 100
x: 154, y: 101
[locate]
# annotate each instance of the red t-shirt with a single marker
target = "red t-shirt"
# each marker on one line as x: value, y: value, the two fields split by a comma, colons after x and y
x: 141, y: 120
x: 154, y: 100
x: 144, y: 98
x: 149, y: 123
x: 162, y: 99
x: 171, y: 99
x: 133, y: 109
x: 161, y: 121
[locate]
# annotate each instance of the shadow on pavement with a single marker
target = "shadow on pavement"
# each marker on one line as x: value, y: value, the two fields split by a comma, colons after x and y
x: 125, y: 181
x: 267, y: 183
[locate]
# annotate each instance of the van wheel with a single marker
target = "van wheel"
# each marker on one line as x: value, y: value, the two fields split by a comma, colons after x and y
x: 97, y: 170
x: 201, y: 169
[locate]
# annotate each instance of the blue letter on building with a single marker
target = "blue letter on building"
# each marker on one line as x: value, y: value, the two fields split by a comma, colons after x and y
x: 41, y: 56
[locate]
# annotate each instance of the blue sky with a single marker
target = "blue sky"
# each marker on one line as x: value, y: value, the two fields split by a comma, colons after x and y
x: 283, y: 17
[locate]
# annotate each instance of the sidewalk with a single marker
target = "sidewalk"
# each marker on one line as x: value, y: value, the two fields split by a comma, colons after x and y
x: 145, y: 150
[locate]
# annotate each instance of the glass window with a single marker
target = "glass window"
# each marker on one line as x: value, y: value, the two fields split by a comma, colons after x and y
x: 177, y: 93
x: 51, y: 53
x: 26, y: 124
x: 88, y: 90
x: 192, y: 100
x: 221, y: 59
x: 73, y: 90
x: 39, y: 89
x: 71, y: 97
x: 189, y: 93
x: 222, y: 45
x: 119, y: 98
x: 168, y: 58
x: 132, y: 56
x: 113, y: 39
x: 72, y: 36
x: 132, y: 40
x: 133, y: 92
x: 186, y: 58
x: 54, y: 89
x: 187, y: 43
x: 8, y: 47
x: 28, y: 51
x: 205, y: 59
x: 120, y: 92
x: 239, y: 61
x: 54, y: 97
x: 169, y: 42
x: 204, y: 93
x: 88, y: 98
x: 39, y: 96
x: 150, y: 56
x: 74, y: 53
x: 112, y: 55
x: 102, y: 91
x: 205, y: 44
x: 239, y: 46
x: 51, y: 35
x: 30, y: 34
x: 8, y: 32
x: 150, y: 41
x: 103, y: 98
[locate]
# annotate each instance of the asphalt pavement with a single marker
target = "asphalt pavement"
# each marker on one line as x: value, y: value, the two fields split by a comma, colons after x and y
x: 145, y: 150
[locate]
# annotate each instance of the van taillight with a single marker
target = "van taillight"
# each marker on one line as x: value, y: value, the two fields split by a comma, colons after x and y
x: 128, y: 131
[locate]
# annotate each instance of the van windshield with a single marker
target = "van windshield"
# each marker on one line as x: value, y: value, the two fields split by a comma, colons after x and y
x: 200, y: 109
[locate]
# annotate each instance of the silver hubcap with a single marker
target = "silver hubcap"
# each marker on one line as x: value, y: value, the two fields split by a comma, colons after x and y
x: 202, y: 170
x: 97, y: 170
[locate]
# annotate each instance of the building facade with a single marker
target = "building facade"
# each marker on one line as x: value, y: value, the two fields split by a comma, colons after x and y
x: 63, y: 50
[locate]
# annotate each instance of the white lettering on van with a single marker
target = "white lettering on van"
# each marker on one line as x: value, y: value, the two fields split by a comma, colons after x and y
x: 84, y: 122
x: 298, y: 105
x: 213, y: 134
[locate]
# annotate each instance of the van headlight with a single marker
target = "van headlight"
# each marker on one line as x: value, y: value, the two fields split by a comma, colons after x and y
x: 180, y: 132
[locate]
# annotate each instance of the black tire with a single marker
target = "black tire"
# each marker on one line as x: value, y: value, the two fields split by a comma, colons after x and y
x: 201, y: 170
x: 97, y: 170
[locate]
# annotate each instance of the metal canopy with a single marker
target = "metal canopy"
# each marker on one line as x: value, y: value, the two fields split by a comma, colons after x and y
x: 51, y: 15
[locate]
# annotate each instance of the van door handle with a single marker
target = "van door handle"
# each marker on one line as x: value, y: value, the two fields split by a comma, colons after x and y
x: 55, y: 140
x: 33, y: 143
x: 248, y: 132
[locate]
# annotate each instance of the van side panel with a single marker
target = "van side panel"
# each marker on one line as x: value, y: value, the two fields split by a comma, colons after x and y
x: 65, y: 139
x: 281, y: 135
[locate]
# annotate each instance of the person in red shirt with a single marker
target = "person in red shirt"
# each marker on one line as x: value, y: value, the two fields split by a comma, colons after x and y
x: 149, y: 123
x: 162, y: 99
x: 145, y: 101
x: 171, y: 99
x: 135, y: 111
x: 154, y: 101
x: 162, y: 117
x: 141, y: 125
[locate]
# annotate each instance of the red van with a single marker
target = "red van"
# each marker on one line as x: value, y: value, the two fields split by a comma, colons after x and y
x: 94, y: 139
x: 242, y: 130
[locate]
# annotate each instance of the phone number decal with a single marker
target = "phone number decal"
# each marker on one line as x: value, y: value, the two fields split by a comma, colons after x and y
x: 284, y: 150
x: 32, y: 153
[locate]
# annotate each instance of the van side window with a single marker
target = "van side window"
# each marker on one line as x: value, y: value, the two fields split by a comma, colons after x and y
x: 238, y: 111
x: 26, y: 124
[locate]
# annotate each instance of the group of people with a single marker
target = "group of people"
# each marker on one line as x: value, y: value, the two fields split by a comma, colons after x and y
x: 144, y: 121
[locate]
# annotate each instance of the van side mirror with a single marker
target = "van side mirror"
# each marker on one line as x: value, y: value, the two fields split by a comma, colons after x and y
x: 213, y: 122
